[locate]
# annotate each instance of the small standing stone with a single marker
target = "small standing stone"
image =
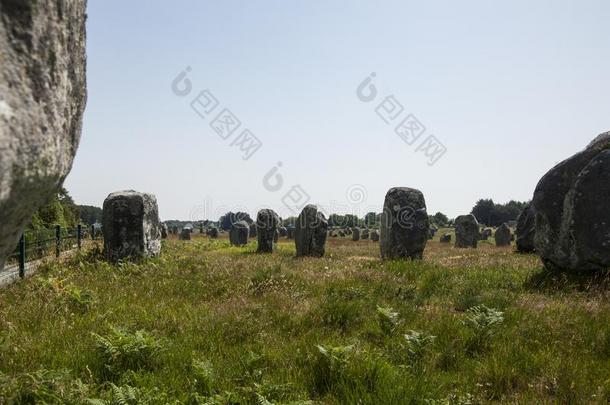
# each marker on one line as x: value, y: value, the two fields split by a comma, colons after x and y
x: 526, y: 230
x: 310, y: 232
x: 466, y: 231
x: 163, y: 231
x: 375, y: 235
x: 290, y: 232
x: 267, y: 222
x: 355, y: 234
x: 364, y: 234
x: 131, y: 226
x: 253, y: 230
x: 238, y: 234
x: 503, y: 235
x: 404, y: 224
x: 213, y: 232
x: 283, y: 231
x: 185, y: 234
x: 446, y: 238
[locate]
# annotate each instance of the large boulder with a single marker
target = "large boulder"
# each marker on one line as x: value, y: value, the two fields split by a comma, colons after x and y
x: 466, y: 231
x: 267, y: 222
x: 404, y: 224
x: 310, y: 232
x: 526, y: 230
x: 131, y: 226
x: 503, y: 235
x: 571, y: 208
x: 42, y: 99
x: 238, y: 234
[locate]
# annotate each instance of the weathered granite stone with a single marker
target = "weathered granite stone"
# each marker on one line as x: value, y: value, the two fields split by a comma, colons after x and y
x: 364, y: 234
x: 42, y: 99
x: 238, y: 234
x: 571, y: 207
x: 185, y: 234
x: 526, y: 230
x: 310, y: 232
x: 486, y: 234
x: 355, y: 234
x: 283, y: 231
x: 253, y: 230
x: 446, y: 238
x: 163, y: 231
x: 213, y: 232
x: 502, y: 235
x: 404, y: 224
x: 290, y: 232
x: 466, y: 231
x: 131, y: 226
x: 267, y: 222
x: 375, y: 235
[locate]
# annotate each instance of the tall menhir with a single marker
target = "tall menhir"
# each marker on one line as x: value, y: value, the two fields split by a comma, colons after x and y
x: 42, y: 99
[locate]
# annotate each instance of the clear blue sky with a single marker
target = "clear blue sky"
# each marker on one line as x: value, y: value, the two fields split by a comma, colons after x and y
x: 510, y: 89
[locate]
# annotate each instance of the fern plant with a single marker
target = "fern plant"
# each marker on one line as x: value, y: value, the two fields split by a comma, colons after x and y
x: 418, y: 346
x: 80, y: 300
x: 483, y: 324
x: 204, y: 376
x: 329, y: 366
x: 121, y: 351
x: 388, y: 319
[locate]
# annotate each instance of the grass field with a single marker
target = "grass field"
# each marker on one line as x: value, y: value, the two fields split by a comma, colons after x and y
x: 207, y: 323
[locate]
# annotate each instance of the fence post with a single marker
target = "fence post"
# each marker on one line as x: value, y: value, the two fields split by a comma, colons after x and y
x: 79, y: 237
x: 22, y: 256
x: 57, y: 240
x: 92, y: 232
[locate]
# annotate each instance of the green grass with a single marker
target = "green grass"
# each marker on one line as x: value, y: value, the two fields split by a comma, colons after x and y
x: 206, y: 323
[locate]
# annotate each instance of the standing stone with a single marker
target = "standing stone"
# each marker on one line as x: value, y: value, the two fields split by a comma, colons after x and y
x: 131, y: 226
x: 375, y: 235
x: 572, y: 217
x: 253, y: 230
x: 404, y: 224
x: 466, y: 231
x: 503, y: 235
x: 42, y: 99
x: 364, y: 234
x: 283, y: 231
x: 213, y: 232
x: 526, y: 230
x: 446, y: 238
x: 267, y: 222
x: 290, y: 232
x: 163, y: 231
x: 238, y: 234
x: 355, y: 234
x: 486, y: 233
x: 310, y: 232
x: 185, y: 234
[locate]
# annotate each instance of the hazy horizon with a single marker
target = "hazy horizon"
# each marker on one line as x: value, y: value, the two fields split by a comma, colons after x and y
x: 509, y: 90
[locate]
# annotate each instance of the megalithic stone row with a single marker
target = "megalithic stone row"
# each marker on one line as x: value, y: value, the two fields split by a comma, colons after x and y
x: 404, y: 224
x: 310, y: 232
x: 239, y: 232
x: 503, y: 235
x: 466, y: 231
x: 267, y: 222
x: 526, y: 230
x: 42, y: 99
x: 131, y: 226
x: 572, y: 216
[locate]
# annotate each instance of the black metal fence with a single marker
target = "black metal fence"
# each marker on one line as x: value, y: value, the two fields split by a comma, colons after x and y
x: 34, y: 245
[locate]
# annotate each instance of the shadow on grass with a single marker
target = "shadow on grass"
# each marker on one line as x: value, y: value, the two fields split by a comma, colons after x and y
x: 550, y: 281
